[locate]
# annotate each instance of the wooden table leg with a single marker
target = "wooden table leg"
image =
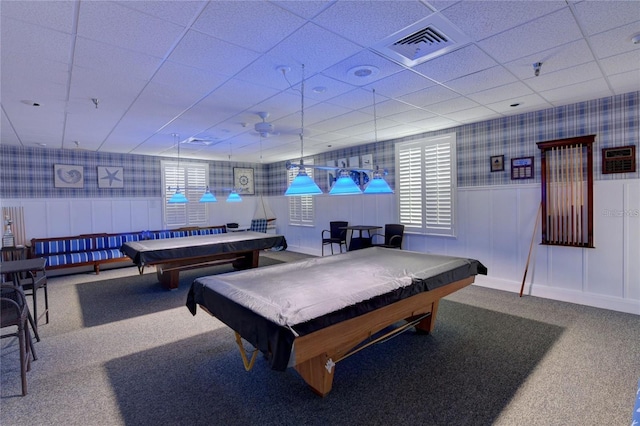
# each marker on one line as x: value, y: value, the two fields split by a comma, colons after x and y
x: 169, y: 279
x: 315, y: 372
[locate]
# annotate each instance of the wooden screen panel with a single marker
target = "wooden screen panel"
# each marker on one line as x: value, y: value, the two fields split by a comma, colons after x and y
x: 567, y: 191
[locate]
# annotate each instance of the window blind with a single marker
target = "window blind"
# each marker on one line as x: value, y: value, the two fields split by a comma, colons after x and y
x: 426, y: 184
x: 302, y: 208
x: 192, y: 178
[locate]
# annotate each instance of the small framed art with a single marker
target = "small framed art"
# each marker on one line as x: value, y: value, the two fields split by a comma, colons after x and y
x: 66, y: 176
x: 243, y: 180
x: 110, y: 177
x: 497, y: 163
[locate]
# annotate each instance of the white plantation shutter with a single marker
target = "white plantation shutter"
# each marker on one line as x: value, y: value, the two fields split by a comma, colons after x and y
x: 427, y: 184
x: 301, y: 209
x: 192, y: 178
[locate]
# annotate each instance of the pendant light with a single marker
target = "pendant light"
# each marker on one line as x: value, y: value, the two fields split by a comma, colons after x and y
x: 177, y: 197
x: 302, y: 184
x: 208, y: 197
x: 377, y: 184
x: 344, y: 185
x: 234, y: 197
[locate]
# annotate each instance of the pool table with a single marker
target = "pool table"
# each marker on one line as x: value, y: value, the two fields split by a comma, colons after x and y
x: 172, y: 255
x: 313, y: 313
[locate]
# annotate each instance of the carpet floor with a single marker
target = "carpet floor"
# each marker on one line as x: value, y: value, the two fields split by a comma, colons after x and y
x: 121, y: 350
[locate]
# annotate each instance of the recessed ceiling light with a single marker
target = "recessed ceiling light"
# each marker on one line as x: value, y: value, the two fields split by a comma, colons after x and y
x: 635, y: 39
x: 319, y: 89
x: 515, y: 104
x: 31, y: 103
x: 363, y: 71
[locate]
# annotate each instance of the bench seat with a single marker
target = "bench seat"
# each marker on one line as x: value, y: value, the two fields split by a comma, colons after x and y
x: 96, y: 249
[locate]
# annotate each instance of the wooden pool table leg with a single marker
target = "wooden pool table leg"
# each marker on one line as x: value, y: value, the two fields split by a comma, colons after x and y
x: 427, y: 325
x: 170, y: 279
x: 314, y: 371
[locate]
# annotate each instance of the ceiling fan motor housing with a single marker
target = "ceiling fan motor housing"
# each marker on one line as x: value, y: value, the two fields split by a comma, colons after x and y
x: 264, y: 127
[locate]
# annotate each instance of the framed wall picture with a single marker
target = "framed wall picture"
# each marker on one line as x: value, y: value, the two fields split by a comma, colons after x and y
x: 110, y: 177
x: 522, y: 168
x: 66, y: 176
x: 497, y: 163
x: 342, y: 163
x: 243, y: 180
x: 367, y: 161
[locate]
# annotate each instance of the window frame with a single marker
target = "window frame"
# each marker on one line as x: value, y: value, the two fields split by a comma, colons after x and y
x: 300, y: 204
x: 192, y: 178
x: 419, y: 195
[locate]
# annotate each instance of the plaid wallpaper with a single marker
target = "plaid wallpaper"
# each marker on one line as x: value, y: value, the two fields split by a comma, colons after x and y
x: 28, y: 172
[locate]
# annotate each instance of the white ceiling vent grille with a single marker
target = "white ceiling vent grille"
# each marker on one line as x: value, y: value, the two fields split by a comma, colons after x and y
x: 424, y: 40
x: 197, y: 141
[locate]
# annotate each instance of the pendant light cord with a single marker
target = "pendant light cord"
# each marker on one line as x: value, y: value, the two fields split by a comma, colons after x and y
x: 302, y: 117
x: 375, y: 119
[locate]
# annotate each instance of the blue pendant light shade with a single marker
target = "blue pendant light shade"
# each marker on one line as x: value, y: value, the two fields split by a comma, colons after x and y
x: 234, y: 197
x: 178, y: 197
x: 208, y: 197
x: 302, y: 185
x: 378, y: 185
x: 344, y: 185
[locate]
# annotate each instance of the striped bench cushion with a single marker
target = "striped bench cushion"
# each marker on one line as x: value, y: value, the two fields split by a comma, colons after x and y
x: 43, y: 248
x: 106, y: 254
x: 115, y: 241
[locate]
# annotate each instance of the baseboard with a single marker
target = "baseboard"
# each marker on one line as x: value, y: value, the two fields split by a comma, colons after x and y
x: 564, y: 295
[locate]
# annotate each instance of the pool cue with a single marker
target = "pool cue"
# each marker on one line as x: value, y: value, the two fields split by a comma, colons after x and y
x: 581, y: 198
x: 565, y: 195
x: 526, y: 268
x: 563, y: 179
x: 552, y: 195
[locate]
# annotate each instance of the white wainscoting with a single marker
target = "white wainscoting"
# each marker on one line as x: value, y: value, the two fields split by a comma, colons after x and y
x: 495, y: 226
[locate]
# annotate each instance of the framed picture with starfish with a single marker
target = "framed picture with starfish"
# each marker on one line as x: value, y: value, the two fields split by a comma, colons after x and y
x: 110, y: 177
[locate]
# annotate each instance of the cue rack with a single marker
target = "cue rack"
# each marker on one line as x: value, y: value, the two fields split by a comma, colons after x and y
x: 567, y: 191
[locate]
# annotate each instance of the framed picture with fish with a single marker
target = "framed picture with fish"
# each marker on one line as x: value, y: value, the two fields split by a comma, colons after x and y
x: 66, y: 176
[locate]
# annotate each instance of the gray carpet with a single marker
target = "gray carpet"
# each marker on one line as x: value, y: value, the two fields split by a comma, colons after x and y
x: 120, y: 350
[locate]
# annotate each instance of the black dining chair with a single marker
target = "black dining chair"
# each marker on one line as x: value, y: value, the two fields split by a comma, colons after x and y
x: 14, y: 312
x: 336, y: 234
x: 393, y: 235
x: 31, y: 283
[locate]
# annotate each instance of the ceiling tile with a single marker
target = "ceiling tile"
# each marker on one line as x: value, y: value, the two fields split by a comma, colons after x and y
x: 503, y: 93
x: 55, y: 15
x: 464, y: 61
x: 179, y: 12
x: 482, y: 80
x: 542, y: 34
x: 598, y: 16
x: 244, y: 23
x: 375, y: 19
x: 547, y: 81
x: 577, y: 92
x: 477, y: 17
x: 206, y: 52
x: 615, y: 41
x: 114, y: 24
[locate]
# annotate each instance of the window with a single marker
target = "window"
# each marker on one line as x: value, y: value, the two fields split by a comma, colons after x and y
x: 301, y: 209
x: 426, y: 171
x: 192, y: 178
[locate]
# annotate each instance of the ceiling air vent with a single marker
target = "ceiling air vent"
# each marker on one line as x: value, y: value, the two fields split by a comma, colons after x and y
x: 424, y: 40
x: 197, y: 141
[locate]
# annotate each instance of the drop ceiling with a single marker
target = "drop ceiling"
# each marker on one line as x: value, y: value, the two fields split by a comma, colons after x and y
x: 123, y: 77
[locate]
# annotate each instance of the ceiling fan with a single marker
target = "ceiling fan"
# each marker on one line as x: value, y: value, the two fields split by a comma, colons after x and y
x: 264, y: 128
